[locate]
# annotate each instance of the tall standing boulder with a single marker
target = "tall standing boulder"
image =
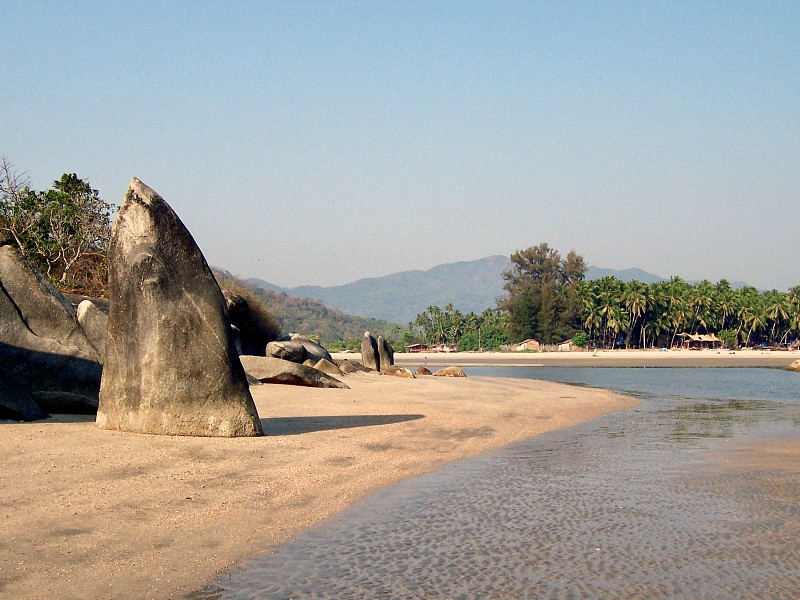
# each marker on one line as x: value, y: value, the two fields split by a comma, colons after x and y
x: 171, y: 365
x: 369, y: 352
x: 385, y: 353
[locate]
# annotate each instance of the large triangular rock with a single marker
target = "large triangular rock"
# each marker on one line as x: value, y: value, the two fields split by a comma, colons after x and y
x: 385, y: 353
x: 369, y: 352
x: 171, y: 365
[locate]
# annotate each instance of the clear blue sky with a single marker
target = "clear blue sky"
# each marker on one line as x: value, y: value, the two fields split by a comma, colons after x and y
x: 323, y: 142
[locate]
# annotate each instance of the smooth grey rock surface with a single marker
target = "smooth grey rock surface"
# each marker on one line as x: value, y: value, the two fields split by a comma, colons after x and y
x: 45, y: 312
x: 171, y: 365
x: 313, y: 349
x: 268, y: 369
x: 450, y: 372
x: 94, y: 323
x: 385, y: 353
x: 369, y: 352
x: 396, y: 371
x: 350, y: 366
x: 34, y: 363
x: 328, y: 367
x: 292, y: 351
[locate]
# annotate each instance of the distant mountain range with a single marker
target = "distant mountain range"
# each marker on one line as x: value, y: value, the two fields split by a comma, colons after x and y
x: 470, y: 286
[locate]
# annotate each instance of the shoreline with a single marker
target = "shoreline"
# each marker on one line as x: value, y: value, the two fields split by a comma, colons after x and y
x: 603, y: 358
x: 95, y: 513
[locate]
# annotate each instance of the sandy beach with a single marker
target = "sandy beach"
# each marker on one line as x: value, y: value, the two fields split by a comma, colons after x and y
x: 89, y: 513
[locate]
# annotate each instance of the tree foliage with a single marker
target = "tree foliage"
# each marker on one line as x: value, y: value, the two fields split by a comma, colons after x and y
x: 471, y: 331
x: 541, y: 294
x: 64, y: 231
x: 640, y: 316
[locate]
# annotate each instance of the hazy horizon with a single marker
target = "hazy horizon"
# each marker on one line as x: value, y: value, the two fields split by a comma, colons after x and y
x: 321, y: 143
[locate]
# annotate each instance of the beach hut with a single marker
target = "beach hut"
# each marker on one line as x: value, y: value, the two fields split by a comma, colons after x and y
x: 417, y: 348
x: 698, y: 341
x: 529, y: 344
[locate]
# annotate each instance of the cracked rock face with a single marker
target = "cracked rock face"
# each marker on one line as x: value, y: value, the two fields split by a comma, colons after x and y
x: 171, y: 365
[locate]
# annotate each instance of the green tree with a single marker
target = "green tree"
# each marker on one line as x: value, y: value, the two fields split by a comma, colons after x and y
x: 64, y: 232
x: 542, y: 294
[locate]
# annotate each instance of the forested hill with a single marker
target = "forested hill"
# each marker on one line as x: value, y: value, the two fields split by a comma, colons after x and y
x: 310, y: 317
x: 470, y: 286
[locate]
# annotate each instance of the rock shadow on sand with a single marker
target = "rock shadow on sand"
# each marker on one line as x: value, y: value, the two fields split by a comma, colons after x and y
x: 298, y: 425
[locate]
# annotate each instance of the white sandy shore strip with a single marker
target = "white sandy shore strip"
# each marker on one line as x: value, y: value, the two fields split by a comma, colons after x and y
x: 89, y: 513
x: 608, y: 358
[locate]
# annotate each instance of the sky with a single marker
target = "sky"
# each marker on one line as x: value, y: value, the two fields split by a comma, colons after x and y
x: 317, y: 143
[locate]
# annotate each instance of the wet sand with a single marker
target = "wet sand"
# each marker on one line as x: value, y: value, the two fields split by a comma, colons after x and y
x: 89, y: 513
x: 677, y: 498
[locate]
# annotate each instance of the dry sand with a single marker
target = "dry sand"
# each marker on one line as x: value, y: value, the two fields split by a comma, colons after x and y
x: 89, y: 513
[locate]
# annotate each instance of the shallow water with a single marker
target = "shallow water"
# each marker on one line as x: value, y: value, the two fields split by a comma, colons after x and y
x: 633, y: 505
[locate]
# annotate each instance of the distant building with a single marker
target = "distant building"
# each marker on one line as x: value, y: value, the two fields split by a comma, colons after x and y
x: 417, y: 348
x: 444, y: 348
x: 697, y: 341
x: 529, y: 344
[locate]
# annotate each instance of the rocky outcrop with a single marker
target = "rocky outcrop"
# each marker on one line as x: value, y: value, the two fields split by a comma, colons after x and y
x: 450, y: 372
x: 39, y: 363
x: 268, y: 369
x: 171, y: 365
x: 795, y: 366
x: 43, y: 310
x: 385, y: 353
x: 424, y: 371
x: 370, y: 357
x: 313, y: 349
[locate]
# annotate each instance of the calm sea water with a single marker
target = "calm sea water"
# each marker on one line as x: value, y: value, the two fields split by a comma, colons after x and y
x: 633, y: 505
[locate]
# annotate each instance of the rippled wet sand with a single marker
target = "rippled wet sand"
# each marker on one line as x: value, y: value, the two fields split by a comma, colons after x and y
x: 670, y: 500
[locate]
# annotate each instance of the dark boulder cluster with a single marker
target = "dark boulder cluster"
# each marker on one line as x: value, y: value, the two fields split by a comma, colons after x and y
x: 378, y: 355
x: 49, y: 362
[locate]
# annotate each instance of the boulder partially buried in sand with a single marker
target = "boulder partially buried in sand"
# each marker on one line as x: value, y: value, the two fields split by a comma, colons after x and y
x: 450, y: 372
x: 795, y: 366
x: 171, y: 365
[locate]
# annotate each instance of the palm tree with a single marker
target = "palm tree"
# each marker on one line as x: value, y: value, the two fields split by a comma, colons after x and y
x: 777, y: 310
x: 725, y: 300
x: 634, y: 297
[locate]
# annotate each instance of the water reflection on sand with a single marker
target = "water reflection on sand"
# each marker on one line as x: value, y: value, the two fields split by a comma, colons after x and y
x: 679, y: 498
